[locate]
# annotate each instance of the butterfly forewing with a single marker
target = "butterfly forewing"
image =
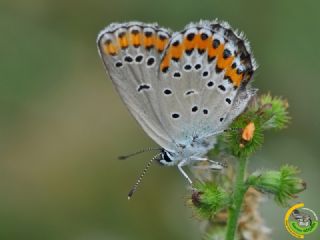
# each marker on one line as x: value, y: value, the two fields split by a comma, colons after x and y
x: 131, y: 53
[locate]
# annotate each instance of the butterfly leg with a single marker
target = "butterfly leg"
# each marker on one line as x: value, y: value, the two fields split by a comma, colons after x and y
x: 199, y: 159
x: 180, y: 164
x: 213, y: 164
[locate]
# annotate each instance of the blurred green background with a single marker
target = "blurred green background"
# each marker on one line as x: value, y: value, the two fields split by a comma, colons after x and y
x: 62, y: 125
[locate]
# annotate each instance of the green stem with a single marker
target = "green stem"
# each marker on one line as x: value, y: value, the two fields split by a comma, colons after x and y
x: 240, y: 189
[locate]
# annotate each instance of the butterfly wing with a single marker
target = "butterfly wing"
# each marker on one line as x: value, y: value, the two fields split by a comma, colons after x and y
x: 131, y: 53
x: 204, y: 75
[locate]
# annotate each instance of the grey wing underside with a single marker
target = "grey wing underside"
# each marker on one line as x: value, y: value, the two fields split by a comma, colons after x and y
x: 203, y: 96
x: 176, y: 87
x: 132, y: 61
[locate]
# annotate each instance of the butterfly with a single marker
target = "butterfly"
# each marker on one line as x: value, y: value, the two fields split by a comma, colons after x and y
x: 184, y: 88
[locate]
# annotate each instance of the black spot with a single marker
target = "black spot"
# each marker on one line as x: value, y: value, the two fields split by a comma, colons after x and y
x: 175, y: 115
x: 165, y: 69
x: 108, y: 41
x: 228, y: 100
x: 226, y: 53
x: 118, y: 64
x: 187, y: 67
x: 204, y: 36
x: 194, y: 109
x: 128, y: 59
x: 150, y: 61
x: 175, y: 59
x: 201, y: 51
x: 218, y: 70
x: 210, y: 84
x: 210, y: 59
x: 197, y: 66
x: 205, y: 74
x: 221, y: 119
x: 177, y: 75
x: 176, y: 43
x: 148, y: 34
x: 189, y: 51
x: 148, y: 48
x: 162, y: 37
x: 136, y: 45
x: 234, y: 65
x: 121, y: 35
x: 189, y: 92
x: 205, y: 111
x: 142, y: 87
x: 167, y: 91
x: 215, y: 43
x: 135, y: 31
x: 139, y: 58
x: 222, y: 87
x: 190, y: 36
x: 239, y: 71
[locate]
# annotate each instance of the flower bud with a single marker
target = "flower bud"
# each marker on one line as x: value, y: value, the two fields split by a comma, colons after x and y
x: 283, y: 184
x: 208, y: 199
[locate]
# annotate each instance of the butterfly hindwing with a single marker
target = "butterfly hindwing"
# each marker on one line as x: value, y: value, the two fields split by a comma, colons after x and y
x: 205, y: 68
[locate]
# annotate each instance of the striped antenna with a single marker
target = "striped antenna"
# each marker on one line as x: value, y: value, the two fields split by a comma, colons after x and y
x: 135, y: 186
x: 138, y: 152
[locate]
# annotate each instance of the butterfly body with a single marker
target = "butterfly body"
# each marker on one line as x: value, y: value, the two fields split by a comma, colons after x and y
x: 188, y: 152
x: 184, y: 88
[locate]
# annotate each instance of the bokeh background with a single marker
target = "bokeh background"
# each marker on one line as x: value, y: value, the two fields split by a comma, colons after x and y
x: 62, y: 125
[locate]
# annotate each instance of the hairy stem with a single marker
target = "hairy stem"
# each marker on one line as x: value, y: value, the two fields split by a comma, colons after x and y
x: 240, y: 189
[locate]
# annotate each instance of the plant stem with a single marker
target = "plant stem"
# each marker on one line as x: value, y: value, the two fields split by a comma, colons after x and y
x: 240, y: 189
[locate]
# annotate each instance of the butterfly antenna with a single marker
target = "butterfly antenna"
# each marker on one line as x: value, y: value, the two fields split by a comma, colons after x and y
x: 138, y: 152
x: 135, y: 186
